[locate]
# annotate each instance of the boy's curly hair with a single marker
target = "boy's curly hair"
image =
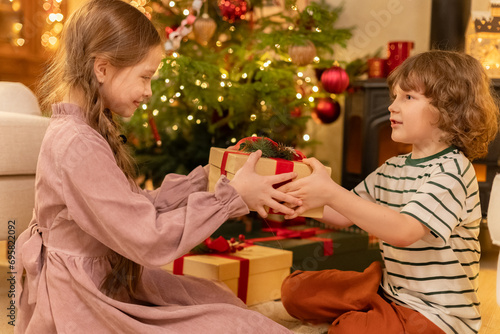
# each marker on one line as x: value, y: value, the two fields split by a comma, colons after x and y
x: 458, y: 87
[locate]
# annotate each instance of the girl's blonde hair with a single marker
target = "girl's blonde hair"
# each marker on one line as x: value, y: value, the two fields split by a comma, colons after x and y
x: 458, y: 87
x: 118, y: 32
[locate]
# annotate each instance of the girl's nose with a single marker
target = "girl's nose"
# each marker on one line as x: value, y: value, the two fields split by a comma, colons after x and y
x: 148, y: 92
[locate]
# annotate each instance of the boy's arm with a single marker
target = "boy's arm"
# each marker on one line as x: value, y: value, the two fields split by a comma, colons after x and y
x: 343, y: 208
x: 334, y: 218
x: 395, y: 228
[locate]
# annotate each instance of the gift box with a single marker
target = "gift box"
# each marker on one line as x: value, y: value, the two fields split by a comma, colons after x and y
x: 254, y: 274
x: 318, y: 249
x: 228, y: 162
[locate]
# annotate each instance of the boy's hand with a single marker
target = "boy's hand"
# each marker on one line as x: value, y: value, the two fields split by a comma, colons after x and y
x: 313, y: 190
x: 257, y: 191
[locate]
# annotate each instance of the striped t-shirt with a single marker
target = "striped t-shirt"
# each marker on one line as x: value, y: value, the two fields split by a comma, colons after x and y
x: 437, y: 275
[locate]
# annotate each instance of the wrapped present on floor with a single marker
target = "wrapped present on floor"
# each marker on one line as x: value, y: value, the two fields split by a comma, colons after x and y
x: 228, y: 162
x: 317, y: 249
x: 373, y: 241
x: 254, y: 274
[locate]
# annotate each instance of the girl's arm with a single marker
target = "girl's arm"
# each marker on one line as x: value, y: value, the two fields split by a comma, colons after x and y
x: 319, y: 189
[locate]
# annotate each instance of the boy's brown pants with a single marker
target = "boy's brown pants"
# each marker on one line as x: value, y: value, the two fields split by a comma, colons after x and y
x: 350, y: 301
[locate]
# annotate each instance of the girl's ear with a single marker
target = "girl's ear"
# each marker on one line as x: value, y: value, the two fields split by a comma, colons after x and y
x: 101, y: 69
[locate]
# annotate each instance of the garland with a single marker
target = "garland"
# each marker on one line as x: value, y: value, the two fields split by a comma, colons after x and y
x: 269, y: 148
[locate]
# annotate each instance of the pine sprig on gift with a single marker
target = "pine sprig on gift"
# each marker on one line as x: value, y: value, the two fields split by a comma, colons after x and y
x: 268, y: 148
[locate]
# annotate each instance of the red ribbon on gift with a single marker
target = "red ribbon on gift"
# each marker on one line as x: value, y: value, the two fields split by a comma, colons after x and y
x: 243, y: 275
x: 309, y: 234
x: 282, y: 166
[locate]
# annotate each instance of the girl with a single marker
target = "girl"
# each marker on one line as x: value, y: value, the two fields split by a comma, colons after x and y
x: 423, y: 206
x: 95, y: 240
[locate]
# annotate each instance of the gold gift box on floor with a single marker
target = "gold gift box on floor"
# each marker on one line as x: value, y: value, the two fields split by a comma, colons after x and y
x: 232, y: 161
x: 267, y: 268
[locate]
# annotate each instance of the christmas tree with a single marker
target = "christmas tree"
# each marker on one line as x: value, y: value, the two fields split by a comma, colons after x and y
x: 233, y: 70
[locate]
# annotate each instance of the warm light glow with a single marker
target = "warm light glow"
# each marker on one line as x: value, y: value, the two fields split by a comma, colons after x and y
x: 306, y: 137
x: 190, y: 117
x: 299, y: 96
x: 185, y: 12
x: 52, y: 40
x: 221, y: 98
x: 17, y: 27
x: 54, y: 23
x: 155, y: 112
x: 253, y: 117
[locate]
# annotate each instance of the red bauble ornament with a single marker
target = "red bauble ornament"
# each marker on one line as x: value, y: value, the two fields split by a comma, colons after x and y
x: 335, y: 80
x: 169, y: 30
x: 233, y: 10
x: 296, y: 112
x: 327, y: 111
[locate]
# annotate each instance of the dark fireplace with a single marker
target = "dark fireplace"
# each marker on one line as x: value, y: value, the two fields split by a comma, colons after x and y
x: 368, y: 143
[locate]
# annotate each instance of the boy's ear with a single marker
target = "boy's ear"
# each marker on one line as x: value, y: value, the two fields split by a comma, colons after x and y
x: 101, y: 69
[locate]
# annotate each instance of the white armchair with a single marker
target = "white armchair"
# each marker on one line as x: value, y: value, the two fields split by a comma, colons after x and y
x: 494, y: 222
x: 22, y: 128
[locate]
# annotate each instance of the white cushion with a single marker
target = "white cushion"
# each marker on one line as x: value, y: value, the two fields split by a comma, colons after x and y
x: 494, y: 211
x: 16, y: 97
x: 494, y: 222
x: 21, y: 137
x: 17, y: 200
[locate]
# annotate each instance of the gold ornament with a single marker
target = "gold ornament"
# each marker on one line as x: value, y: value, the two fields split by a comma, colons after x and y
x: 302, y: 55
x: 204, y: 28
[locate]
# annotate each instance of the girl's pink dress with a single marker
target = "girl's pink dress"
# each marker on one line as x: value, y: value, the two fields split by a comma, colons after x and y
x: 86, y: 212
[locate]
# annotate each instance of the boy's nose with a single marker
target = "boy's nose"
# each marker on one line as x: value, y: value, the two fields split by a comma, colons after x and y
x: 391, y: 107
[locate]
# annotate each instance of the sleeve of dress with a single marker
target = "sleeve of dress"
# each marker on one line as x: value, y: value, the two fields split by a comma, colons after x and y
x: 101, y: 201
x: 175, y: 189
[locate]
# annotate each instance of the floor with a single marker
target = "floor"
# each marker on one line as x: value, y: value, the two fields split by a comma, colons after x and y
x: 487, y: 280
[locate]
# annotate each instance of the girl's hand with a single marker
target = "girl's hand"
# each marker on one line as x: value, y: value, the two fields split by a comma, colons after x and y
x: 257, y: 191
x: 314, y: 190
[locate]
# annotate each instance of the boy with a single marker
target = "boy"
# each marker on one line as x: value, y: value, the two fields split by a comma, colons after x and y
x: 423, y: 206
